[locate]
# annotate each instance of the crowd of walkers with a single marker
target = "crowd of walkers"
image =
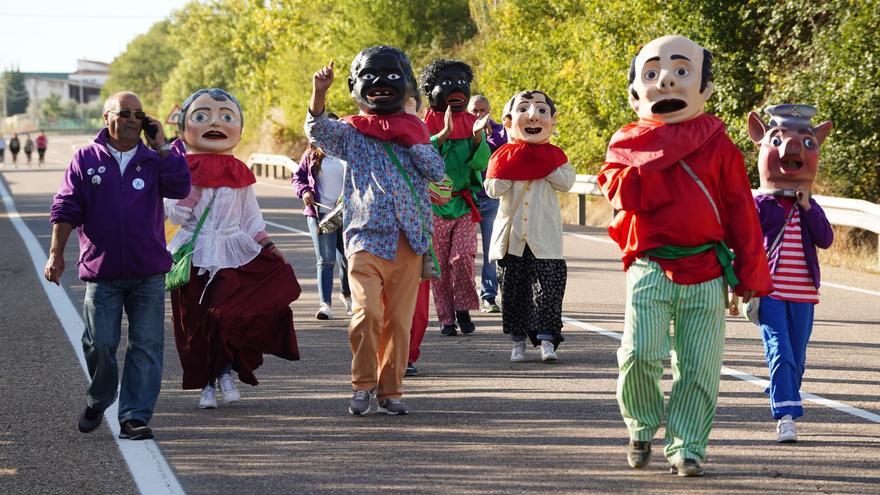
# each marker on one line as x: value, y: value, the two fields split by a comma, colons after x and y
x: 394, y: 198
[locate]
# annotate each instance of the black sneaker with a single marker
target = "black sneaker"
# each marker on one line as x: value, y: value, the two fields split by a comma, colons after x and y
x: 411, y: 370
x: 90, y: 419
x: 448, y: 331
x: 686, y: 467
x: 464, y: 322
x: 638, y: 454
x: 135, y: 429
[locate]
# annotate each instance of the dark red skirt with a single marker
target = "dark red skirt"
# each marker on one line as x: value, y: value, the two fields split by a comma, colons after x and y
x: 244, y: 314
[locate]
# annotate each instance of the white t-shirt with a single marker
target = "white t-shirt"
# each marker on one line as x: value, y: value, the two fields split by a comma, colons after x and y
x: 329, y: 181
x: 122, y: 157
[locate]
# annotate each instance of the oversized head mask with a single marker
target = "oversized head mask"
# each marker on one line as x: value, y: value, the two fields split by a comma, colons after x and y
x: 670, y: 80
x: 210, y: 122
x: 381, y: 79
x: 789, y: 146
x: 530, y: 117
x: 447, y: 83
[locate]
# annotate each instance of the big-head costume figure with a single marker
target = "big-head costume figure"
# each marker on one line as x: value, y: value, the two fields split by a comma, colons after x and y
x: 794, y: 226
x: 681, y: 195
x: 525, y: 175
x: 459, y: 137
x: 236, y: 306
x: 386, y: 216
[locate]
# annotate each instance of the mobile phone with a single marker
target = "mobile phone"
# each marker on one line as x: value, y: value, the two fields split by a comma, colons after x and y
x: 149, y: 128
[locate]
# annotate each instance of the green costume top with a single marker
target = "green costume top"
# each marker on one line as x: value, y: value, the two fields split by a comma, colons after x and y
x: 463, y: 166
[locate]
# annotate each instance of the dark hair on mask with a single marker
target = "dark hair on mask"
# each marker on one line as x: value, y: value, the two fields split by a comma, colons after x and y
x: 428, y: 77
x: 528, y: 95
x: 390, y: 50
x: 216, y: 93
x: 705, y: 76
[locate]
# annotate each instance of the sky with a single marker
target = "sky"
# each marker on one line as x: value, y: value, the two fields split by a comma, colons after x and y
x: 50, y: 35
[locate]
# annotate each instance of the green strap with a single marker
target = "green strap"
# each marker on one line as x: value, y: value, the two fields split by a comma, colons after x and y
x: 418, y: 204
x: 722, y: 252
x: 202, y: 219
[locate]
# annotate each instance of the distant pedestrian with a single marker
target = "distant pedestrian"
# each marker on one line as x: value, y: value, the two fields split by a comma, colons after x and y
x: 318, y: 181
x: 495, y: 136
x: 28, y: 147
x: 112, y: 194
x: 2, y: 149
x: 14, y: 148
x: 42, y: 143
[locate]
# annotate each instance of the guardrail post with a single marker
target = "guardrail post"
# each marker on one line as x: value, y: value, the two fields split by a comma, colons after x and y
x: 582, y: 209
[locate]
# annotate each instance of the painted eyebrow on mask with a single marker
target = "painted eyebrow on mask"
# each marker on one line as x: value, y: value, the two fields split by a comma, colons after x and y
x: 653, y: 59
x: 679, y: 57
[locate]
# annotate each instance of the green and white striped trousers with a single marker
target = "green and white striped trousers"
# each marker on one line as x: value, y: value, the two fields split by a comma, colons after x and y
x: 652, y: 302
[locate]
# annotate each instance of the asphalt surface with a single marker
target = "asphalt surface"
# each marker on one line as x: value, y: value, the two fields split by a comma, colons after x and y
x: 479, y: 424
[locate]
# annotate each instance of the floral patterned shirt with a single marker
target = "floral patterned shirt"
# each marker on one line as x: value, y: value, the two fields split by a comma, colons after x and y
x: 377, y: 200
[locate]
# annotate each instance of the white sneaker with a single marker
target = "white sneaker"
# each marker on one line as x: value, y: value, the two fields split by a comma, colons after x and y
x: 548, y: 354
x: 324, y: 312
x: 227, y: 386
x: 346, y: 301
x: 518, y: 354
x: 786, y: 431
x: 209, y: 398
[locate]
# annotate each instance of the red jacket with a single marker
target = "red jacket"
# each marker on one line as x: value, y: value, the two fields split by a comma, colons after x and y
x: 657, y: 203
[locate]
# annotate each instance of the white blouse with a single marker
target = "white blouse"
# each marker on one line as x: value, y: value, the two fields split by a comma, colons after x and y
x: 529, y: 214
x: 227, y: 236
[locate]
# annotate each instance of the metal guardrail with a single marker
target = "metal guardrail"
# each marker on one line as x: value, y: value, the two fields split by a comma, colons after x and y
x: 840, y: 211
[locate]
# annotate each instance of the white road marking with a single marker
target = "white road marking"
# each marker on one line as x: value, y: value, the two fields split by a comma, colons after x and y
x: 591, y: 238
x: 817, y: 399
x: 853, y: 289
x: 149, y: 469
x: 289, y: 229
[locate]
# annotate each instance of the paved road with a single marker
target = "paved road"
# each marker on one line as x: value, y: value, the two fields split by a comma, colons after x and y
x: 480, y: 424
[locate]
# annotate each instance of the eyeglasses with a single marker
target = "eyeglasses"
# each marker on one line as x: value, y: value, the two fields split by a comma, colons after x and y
x: 125, y: 114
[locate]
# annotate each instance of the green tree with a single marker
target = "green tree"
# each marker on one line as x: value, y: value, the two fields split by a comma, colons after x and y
x: 17, y: 98
x: 50, y: 108
x: 144, y: 68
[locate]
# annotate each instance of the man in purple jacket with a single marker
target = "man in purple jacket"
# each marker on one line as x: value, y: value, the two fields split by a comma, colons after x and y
x: 112, y: 194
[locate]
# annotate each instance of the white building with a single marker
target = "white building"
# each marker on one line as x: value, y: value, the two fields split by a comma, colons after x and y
x: 82, y: 86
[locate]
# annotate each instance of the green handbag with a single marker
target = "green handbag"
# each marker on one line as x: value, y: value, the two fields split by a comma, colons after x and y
x: 181, y: 260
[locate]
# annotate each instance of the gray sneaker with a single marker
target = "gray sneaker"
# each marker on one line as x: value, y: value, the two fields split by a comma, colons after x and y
x: 361, y: 402
x: 392, y: 407
x: 687, y: 467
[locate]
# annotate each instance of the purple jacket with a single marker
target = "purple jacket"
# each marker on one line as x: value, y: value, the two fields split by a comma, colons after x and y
x: 494, y: 140
x: 119, y: 219
x: 815, y: 231
x: 304, y: 181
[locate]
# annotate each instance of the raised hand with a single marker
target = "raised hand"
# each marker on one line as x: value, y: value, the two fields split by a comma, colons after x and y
x: 323, y: 79
x: 482, y: 124
x: 803, y: 195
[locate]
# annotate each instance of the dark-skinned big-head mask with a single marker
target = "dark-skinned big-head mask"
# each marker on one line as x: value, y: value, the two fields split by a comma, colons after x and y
x: 381, y: 79
x: 447, y: 83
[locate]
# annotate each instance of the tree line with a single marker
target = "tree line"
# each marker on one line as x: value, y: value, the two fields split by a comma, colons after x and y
x: 820, y: 52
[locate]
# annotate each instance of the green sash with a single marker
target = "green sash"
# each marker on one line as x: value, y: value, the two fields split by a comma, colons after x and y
x: 722, y: 252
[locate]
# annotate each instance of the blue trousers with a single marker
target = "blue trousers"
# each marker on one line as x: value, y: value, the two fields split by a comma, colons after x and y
x: 143, y: 300
x: 329, y: 249
x: 785, y: 328
x: 489, y: 275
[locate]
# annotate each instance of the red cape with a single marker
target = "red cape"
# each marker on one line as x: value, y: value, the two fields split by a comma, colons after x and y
x: 655, y: 146
x: 399, y: 128
x: 524, y: 161
x: 215, y: 170
x: 462, y: 123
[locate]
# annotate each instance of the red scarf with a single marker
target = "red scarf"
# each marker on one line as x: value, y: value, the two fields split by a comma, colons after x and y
x: 524, y: 161
x: 655, y: 146
x: 399, y: 128
x: 215, y: 170
x: 462, y: 123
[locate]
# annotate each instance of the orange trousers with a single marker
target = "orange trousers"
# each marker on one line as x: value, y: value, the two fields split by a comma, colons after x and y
x: 384, y: 297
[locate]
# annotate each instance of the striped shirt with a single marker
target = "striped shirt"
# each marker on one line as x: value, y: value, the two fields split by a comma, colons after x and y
x: 791, y: 279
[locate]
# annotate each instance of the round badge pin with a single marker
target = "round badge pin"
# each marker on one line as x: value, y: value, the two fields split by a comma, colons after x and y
x: 90, y: 171
x: 138, y: 183
x: 96, y: 180
x: 101, y: 169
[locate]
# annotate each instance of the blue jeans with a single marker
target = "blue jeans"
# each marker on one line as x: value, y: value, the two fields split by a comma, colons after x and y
x: 143, y: 300
x: 785, y: 328
x: 489, y: 275
x: 329, y: 249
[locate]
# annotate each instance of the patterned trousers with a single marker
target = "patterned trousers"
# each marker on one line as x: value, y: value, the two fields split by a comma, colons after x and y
x: 455, y: 242
x: 531, y: 294
x: 653, y: 301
